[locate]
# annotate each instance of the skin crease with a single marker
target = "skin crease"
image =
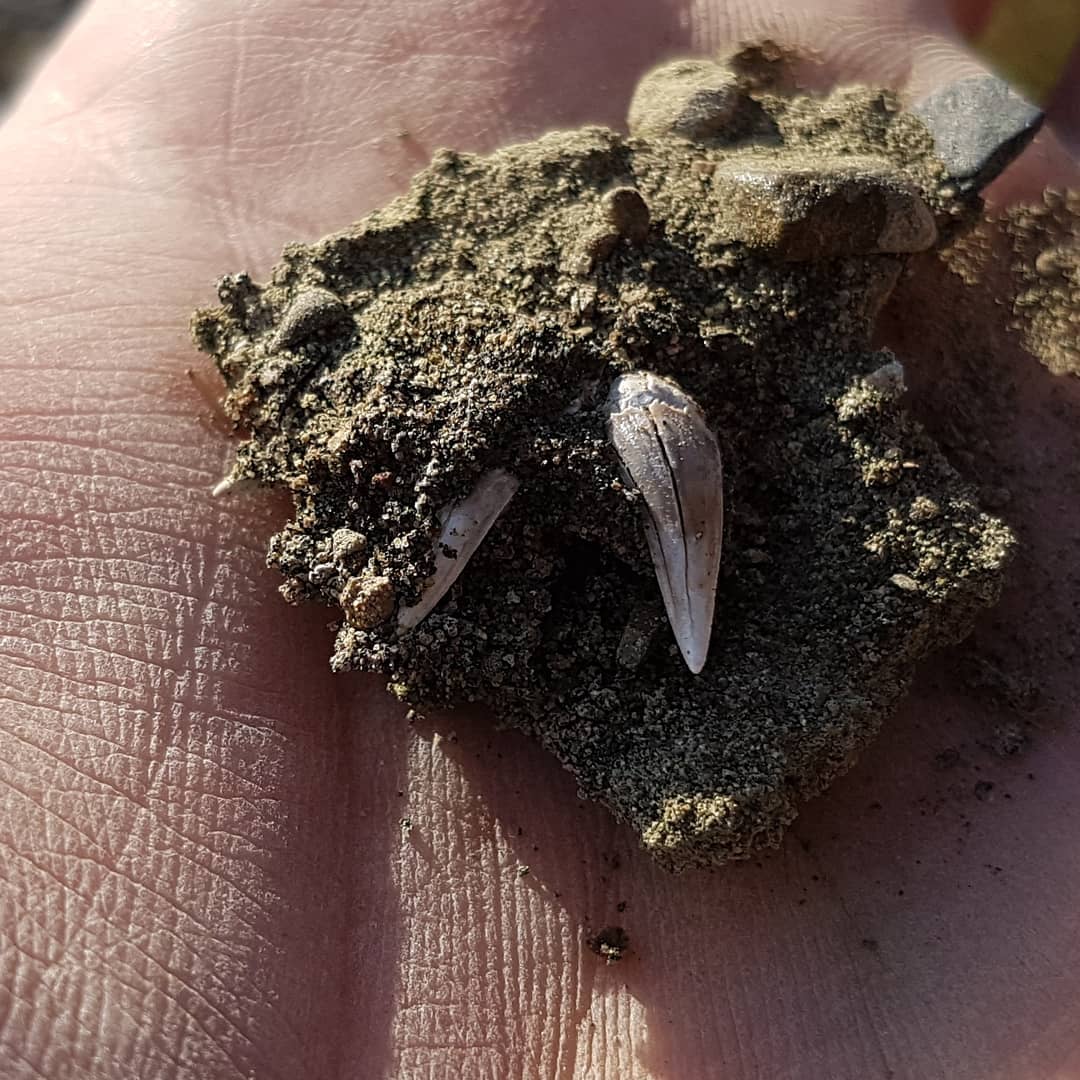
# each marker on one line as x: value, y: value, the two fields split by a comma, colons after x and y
x: 204, y: 872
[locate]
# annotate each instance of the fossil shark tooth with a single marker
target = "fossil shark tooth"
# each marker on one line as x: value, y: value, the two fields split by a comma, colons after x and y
x: 672, y: 457
x: 464, y: 526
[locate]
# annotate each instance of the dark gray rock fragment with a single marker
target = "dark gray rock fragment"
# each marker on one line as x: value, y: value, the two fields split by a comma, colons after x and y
x: 980, y: 125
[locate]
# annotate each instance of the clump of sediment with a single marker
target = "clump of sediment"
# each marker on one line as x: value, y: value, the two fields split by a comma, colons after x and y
x: 432, y: 386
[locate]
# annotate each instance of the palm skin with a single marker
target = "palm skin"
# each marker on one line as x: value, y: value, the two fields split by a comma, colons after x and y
x: 205, y: 870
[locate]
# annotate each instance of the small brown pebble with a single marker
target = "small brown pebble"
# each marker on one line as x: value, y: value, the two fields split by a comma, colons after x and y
x: 1054, y: 262
x: 346, y: 543
x: 924, y: 509
x: 367, y: 600
x: 589, y: 249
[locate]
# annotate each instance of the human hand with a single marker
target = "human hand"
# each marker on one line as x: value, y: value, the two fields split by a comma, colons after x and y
x: 203, y: 869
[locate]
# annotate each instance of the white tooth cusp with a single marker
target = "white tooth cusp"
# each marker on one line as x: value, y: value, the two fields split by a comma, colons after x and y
x: 671, y: 456
x: 464, y: 526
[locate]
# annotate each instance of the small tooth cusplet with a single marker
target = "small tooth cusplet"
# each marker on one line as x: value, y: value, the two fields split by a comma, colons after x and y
x: 464, y: 526
x: 672, y: 458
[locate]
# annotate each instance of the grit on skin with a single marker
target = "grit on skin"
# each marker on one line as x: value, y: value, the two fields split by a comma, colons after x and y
x: 204, y: 871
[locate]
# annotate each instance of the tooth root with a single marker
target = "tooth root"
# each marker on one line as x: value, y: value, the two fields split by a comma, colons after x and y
x: 464, y: 526
x: 672, y: 457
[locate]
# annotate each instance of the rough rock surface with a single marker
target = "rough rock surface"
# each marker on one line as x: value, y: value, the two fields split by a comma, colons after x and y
x: 980, y: 124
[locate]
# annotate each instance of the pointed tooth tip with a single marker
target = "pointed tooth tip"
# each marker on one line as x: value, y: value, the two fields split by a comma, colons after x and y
x: 693, y: 641
x: 695, y: 658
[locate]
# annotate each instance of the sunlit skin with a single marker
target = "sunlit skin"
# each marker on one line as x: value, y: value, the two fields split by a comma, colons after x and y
x: 218, y: 860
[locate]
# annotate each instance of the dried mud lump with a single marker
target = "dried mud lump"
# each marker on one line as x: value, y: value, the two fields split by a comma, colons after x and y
x: 460, y: 344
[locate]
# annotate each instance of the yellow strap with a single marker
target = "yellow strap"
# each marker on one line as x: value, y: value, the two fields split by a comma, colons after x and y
x: 1030, y: 41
